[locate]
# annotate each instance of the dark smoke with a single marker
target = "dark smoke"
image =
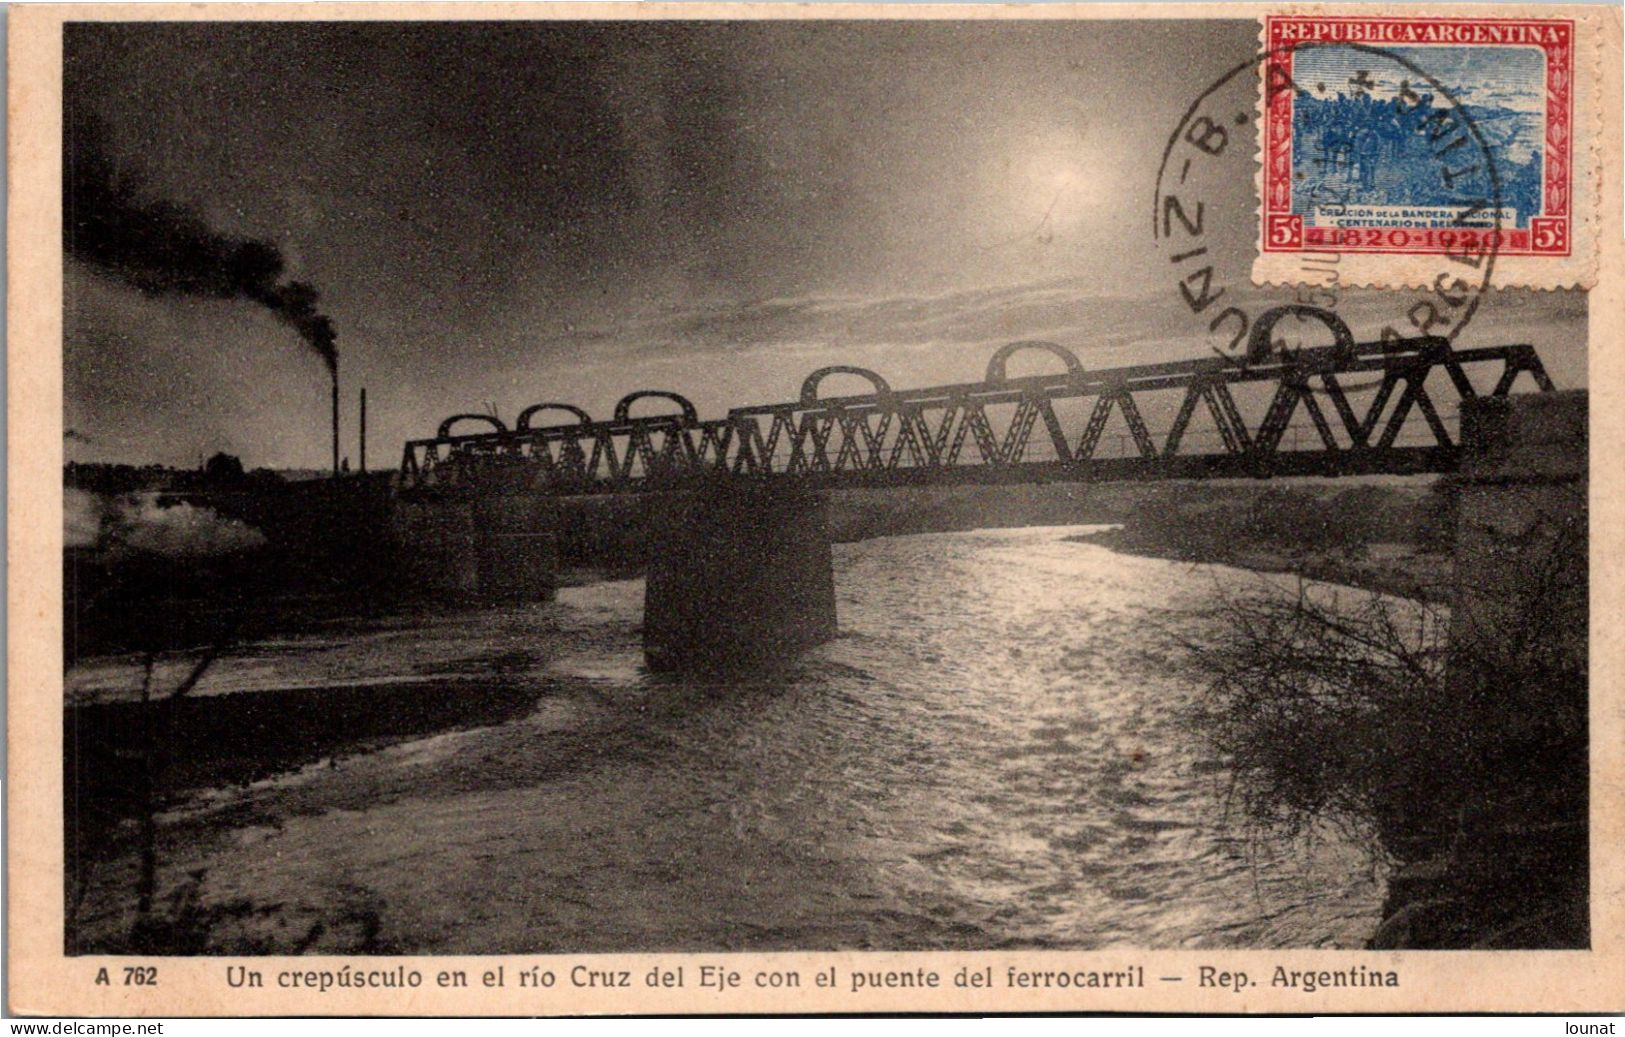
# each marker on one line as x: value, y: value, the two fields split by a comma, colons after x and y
x: 162, y: 248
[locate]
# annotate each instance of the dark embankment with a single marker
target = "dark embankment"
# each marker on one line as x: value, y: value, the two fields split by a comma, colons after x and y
x: 128, y: 761
x: 1394, y: 537
x: 126, y: 757
x: 165, y: 559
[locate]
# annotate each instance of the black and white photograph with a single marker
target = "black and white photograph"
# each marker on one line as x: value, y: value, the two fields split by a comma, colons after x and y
x: 541, y: 487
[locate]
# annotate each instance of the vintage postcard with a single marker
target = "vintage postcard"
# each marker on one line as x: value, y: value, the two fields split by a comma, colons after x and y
x: 596, y: 509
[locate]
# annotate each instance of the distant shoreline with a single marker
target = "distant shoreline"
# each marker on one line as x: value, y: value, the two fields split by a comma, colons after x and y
x: 1420, y: 576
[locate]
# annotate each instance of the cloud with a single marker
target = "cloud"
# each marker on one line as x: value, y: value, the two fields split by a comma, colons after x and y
x: 1069, y: 309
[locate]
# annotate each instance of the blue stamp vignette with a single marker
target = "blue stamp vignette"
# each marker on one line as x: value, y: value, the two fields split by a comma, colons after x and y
x: 1356, y: 144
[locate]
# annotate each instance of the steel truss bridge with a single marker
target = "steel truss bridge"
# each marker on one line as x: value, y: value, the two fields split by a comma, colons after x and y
x: 1350, y: 408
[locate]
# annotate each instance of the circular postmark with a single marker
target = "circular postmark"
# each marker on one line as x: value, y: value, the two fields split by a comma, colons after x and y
x: 1403, y: 123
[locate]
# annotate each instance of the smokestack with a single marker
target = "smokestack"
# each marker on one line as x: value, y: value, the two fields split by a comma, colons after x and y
x: 335, y: 421
x: 363, y: 429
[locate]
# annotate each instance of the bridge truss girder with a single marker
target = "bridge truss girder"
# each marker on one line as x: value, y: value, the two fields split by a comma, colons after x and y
x: 1016, y: 429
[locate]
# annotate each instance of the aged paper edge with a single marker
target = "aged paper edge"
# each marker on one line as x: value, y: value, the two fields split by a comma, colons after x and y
x: 44, y: 981
x: 1578, y: 269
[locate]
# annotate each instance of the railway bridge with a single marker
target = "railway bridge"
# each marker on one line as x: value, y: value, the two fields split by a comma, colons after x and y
x: 742, y: 564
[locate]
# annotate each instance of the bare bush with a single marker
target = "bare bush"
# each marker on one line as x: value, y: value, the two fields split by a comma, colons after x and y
x: 1457, y: 747
x: 1309, y: 696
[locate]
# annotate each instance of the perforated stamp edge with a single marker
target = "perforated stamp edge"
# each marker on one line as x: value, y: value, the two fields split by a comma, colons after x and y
x: 1561, y: 268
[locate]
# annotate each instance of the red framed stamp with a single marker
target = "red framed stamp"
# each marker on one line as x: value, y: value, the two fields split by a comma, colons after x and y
x: 1421, y: 136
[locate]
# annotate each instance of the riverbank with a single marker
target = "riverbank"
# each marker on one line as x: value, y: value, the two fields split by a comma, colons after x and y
x: 1403, y: 570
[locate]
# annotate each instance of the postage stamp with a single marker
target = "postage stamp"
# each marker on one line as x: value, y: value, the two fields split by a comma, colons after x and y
x: 1396, y: 140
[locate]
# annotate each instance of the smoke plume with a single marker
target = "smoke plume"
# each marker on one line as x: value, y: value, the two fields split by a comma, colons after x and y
x: 119, y: 527
x: 162, y: 248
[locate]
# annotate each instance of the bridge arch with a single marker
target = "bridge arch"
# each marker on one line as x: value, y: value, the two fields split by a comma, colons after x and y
x: 623, y: 409
x: 522, y: 423
x: 997, y: 365
x: 809, y: 387
x: 1259, y: 344
x: 446, y: 426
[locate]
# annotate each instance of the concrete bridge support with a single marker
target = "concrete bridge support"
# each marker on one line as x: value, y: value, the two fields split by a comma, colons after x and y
x: 1498, y: 851
x: 489, y: 547
x: 1521, y: 537
x: 738, y: 577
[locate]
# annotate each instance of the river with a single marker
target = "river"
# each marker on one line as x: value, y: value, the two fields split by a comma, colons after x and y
x: 995, y: 753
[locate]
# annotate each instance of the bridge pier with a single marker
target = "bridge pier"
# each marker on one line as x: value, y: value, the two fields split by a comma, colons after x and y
x: 497, y: 547
x: 738, y: 576
x: 1521, y: 538
x: 1516, y: 859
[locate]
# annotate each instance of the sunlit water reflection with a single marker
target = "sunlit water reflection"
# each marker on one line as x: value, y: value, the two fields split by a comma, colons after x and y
x: 1000, y: 736
x: 996, y: 752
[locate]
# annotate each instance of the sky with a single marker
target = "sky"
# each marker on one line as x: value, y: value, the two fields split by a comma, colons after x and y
x: 501, y: 214
x: 1514, y: 78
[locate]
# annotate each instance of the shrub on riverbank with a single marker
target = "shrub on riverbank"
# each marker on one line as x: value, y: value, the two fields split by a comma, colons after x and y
x: 1309, y: 703
x: 1462, y: 763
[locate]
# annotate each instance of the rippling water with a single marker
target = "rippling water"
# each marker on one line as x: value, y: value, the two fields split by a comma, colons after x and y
x: 997, y: 738
x: 994, y: 753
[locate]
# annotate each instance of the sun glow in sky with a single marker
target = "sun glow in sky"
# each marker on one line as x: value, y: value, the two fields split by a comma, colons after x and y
x: 1073, y: 181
